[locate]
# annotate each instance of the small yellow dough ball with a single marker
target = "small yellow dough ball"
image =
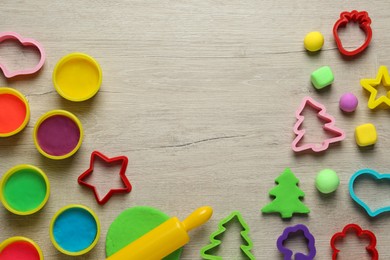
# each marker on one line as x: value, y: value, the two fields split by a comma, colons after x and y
x: 313, y: 41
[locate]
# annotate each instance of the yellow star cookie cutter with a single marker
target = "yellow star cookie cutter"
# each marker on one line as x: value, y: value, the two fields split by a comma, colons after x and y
x: 370, y: 85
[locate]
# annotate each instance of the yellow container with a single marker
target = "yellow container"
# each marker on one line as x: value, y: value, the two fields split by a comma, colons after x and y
x: 77, y: 77
x: 12, y: 240
x: 24, y: 189
x: 58, y: 141
x: 71, y: 230
x: 14, y: 112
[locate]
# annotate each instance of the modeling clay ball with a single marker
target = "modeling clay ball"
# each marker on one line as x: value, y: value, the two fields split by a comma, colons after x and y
x: 322, y: 77
x: 327, y: 181
x: 348, y: 102
x: 365, y: 135
x: 313, y: 41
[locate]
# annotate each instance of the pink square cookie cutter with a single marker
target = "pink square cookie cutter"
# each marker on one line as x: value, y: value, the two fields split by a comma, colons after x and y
x: 27, y: 42
x: 329, y: 126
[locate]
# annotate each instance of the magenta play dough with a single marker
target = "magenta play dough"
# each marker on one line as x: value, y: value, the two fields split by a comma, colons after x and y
x: 348, y: 102
x: 58, y: 135
x: 19, y: 250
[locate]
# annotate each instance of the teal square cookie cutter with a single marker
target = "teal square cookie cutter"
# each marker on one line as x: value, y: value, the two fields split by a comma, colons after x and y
x: 377, y: 177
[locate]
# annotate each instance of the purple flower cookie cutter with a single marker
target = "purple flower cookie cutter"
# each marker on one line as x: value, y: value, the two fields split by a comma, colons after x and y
x: 289, y: 254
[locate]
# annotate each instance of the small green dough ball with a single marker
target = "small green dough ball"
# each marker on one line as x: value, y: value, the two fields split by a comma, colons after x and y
x: 313, y: 41
x: 327, y: 181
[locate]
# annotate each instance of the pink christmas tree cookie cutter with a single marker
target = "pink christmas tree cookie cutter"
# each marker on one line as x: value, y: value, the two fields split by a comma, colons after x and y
x: 27, y: 42
x: 329, y: 126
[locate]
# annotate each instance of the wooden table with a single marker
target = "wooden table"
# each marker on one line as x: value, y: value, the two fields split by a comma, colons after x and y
x: 201, y: 96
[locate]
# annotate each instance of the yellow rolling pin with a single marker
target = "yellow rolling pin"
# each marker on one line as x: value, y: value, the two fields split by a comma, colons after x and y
x: 164, y: 239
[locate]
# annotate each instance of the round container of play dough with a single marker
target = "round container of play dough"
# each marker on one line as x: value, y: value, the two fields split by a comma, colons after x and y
x: 20, y: 248
x: 77, y: 77
x: 58, y: 134
x: 74, y: 230
x: 14, y: 112
x: 25, y: 189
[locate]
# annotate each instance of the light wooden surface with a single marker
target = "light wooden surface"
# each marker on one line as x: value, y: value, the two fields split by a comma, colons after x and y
x: 201, y: 96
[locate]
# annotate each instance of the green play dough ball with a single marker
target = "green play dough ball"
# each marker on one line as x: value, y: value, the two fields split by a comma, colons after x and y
x: 132, y: 224
x: 327, y: 181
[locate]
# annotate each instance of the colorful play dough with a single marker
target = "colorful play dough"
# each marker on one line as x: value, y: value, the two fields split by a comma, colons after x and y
x: 77, y: 77
x: 133, y: 223
x: 327, y: 181
x: 25, y: 189
x: 313, y: 41
x: 365, y: 135
x: 322, y: 77
x: 15, y: 248
x: 58, y: 134
x: 14, y: 112
x: 348, y: 102
x: 74, y: 230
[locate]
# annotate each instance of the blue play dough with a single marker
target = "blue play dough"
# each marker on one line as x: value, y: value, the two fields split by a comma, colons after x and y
x: 75, y: 229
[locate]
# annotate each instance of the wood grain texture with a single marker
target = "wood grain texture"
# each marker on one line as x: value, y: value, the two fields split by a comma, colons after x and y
x: 201, y: 96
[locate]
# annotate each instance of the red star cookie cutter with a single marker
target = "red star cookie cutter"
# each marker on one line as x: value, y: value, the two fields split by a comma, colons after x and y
x: 371, y: 248
x: 364, y: 23
x: 119, y: 159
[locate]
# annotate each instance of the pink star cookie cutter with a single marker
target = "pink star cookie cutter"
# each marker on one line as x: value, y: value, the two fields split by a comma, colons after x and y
x: 27, y: 42
x: 328, y: 126
x: 121, y: 159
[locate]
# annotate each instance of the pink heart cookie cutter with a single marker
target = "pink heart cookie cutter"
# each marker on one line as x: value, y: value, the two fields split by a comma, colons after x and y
x: 328, y: 126
x: 28, y: 42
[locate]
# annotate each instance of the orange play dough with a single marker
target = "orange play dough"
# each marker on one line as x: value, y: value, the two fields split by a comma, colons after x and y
x: 12, y: 113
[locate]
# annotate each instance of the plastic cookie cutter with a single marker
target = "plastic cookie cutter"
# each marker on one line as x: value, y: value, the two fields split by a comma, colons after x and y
x: 377, y: 177
x: 28, y: 42
x: 371, y: 248
x: 215, y: 242
x: 364, y: 23
x: 370, y: 85
x: 328, y: 126
x: 165, y: 238
x: 83, y: 178
x: 287, y: 253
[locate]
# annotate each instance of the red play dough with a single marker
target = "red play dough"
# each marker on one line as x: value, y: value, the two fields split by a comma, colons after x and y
x: 19, y: 250
x: 12, y: 113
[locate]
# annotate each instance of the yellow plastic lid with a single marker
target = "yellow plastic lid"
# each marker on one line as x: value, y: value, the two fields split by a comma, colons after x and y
x: 77, y: 77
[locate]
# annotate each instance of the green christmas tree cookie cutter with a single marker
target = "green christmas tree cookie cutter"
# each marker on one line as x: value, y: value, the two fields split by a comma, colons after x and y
x: 287, y: 196
x: 215, y: 242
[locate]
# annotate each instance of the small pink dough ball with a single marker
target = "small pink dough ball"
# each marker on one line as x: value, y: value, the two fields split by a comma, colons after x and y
x: 348, y: 102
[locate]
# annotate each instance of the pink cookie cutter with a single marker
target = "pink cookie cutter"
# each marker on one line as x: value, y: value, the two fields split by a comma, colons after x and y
x: 28, y: 42
x: 328, y: 126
